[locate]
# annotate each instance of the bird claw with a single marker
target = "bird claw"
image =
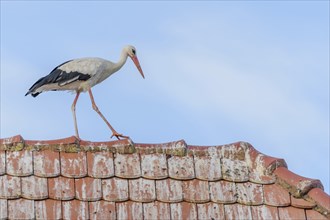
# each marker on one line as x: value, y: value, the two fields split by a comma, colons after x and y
x: 118, y: 136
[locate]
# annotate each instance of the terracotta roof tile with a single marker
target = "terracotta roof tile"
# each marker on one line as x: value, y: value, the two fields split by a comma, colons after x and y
x: 115, y: 189
x: 249, y: 193
x: 100, y: 164
x: 34, y: 187
x: 223, y: 192
x: 142, y: 190
x: 48, y: 209
x: 10, y: 187
x: 88, y: 189
x: 181, y: 168
x: 61, y: 188
x: 276, y: 195
x: 291, y: 213
x: 68, y: 178
x: 102, y: 210
x: 184, y: 210
x: 73, y: 165
x: 210, y: 210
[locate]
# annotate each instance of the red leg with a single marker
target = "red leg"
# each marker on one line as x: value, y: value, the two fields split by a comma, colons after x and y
x: 114, y: 132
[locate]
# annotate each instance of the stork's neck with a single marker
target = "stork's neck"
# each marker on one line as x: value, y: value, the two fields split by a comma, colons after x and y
x: 121, y: 62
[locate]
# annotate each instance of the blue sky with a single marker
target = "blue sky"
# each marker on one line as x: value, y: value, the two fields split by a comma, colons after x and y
x: 216, y: 73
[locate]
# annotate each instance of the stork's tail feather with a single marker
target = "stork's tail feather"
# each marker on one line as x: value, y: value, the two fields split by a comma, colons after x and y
x: 34, y: 87
x: 33, y: 94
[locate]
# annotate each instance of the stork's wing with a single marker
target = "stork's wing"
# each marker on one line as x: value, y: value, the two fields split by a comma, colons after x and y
x: 59, y: 75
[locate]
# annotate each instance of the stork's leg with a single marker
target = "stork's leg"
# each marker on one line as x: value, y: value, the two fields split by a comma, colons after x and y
x: 73, y: 108
x: 114, y: 132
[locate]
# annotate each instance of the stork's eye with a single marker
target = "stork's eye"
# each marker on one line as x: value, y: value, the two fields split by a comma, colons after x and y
x: 133, y: 51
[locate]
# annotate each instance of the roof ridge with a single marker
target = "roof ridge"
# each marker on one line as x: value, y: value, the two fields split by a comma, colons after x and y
x: 266, y: 169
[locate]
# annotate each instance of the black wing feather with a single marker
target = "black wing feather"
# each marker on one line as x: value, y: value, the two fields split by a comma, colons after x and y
x: 57, y: 76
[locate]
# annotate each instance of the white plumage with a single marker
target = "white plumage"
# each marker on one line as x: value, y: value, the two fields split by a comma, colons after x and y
x: 80, y: 75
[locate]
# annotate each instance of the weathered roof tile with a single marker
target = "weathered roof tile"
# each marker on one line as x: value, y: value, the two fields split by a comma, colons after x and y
x: 223, y: 192
x: 34, y: 187
x: 154, y: 166
x: 127, y: 166
x: 100, y: 164
x: 291, y: 213
x: 181, y: 168
x: 184, y: 210
x: 208, y: 167
x: 10, y: 187
x: 210, y: 210
x: 156, y: 210
x: 75, y: 209
x: 61, y: 188
x: 19, y: 163
x: 70, y: 178
x: 88, y: 189
x: 169, y: 190
x: 142, y: 190
x: 276, y: 196
x: 250, y: 193
x: 73, y: 165
x: 264, y: 212
x: 102, y: 210
x: 115, y: 189
x: 196, y: 191
x: 237, y: 211
x: 129, y: 210
x: 46, y: 163
x: 48, y: 209
x: 21, y: 209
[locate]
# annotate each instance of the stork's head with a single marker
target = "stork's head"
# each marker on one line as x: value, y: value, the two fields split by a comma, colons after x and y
x: 131, y: 52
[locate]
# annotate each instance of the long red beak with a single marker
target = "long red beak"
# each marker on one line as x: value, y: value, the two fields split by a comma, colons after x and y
x: 137, y: 64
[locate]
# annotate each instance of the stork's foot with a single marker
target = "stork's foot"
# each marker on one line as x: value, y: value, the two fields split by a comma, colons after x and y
x: 118, y: 136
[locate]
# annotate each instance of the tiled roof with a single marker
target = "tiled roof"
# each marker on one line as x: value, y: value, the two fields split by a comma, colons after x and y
x: 125, y: 180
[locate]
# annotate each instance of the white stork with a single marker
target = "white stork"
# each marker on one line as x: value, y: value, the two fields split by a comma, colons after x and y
x: 80, y: 75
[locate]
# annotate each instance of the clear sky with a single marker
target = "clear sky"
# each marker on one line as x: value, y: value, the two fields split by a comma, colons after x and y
x: 216, y: 73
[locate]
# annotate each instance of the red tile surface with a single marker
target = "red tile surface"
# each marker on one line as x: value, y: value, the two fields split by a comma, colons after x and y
x: 21, y: 209
x: 210, y: 211
x: 275, y: 195
x: 88, y: 189
x: 34, y: 187
x: 291, y: 213
x: 19, y: 163
x: 264, y: 212
x: 129, y: 210
x: 237, y: 211
x: 142, y: 190
x: 208, y: 167
x: 234, y: 170
x: 250, y: 193
x: 75, y: 209
x: 115, y: 189
x: 48, y: 209
x: 73, y: 165
x: 100, y: 164
x: 169, y: 190
x: 102, y: 210
x: 314, y: 215
x: 184, y: 210
x: 156, y: 210
x: 127, y: 166
x: 154, y: 166
x: 196, y: 191
x: 61, y: 188
x: 46, y: 163
x: 71, y: 179
x: 10, y: 187
x: 181, y: 168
